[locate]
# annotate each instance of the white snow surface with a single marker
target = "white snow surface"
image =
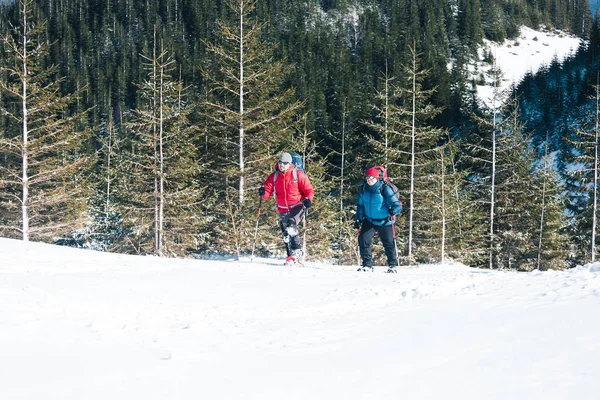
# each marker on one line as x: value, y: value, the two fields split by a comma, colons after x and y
x: 78, y: 324
x: 528, y: 53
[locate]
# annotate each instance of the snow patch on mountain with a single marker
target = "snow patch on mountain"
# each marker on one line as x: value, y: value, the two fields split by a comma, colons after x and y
x: 516, y: 57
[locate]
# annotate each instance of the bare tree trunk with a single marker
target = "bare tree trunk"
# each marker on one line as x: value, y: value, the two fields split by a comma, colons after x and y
x: 241, y: 127
x: 539, y: 257
x: 443, y: 199
x: 412, y: 154
x: 155, y: 141
x: 457, y: 198
x: 595, y: 210
x: 108, y: 167
x: 305, y: 143
x: 387, y: 112
x: 492, y: 194
x: 342, y: 170
x: 161, y: 178
x: 25, y: 178
x: 493, y: 175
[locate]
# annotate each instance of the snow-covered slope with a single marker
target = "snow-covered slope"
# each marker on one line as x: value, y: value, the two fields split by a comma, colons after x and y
x: 76, y: 324
x: 526, y: 54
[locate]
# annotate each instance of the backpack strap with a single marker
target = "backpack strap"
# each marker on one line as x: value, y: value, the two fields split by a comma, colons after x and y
x: 276, y: 173
x: 385, y: 199
x: 382, y: 189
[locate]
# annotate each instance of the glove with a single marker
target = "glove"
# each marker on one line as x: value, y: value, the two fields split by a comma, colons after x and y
x: 261, y: 191
x: 390, y: 211
x: 357, y: 224
x: 307, y: 203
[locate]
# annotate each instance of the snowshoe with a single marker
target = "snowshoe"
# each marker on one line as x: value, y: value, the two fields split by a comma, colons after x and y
x: 292, y: 261
x: 365, y: 269
x: 391, y: 270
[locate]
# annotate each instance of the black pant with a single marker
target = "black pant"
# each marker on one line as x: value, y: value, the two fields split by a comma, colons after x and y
x: 288, y: 222
x: 386, y: 234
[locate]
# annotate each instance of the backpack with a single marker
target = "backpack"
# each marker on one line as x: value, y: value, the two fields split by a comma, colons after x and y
x: 383, y: 176
x: 297, y: 163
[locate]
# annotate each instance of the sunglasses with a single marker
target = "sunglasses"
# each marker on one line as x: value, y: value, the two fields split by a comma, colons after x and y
x: 283, y: 162
x: 371, y: 178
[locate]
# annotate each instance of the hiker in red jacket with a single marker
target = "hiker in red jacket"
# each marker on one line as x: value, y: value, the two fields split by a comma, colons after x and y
x: 293, y: 194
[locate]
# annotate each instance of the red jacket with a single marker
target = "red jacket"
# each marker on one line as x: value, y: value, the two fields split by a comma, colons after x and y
x: 289, y: 193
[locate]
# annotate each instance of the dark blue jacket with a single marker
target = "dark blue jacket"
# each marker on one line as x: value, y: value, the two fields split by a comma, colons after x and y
x: 374, y: 207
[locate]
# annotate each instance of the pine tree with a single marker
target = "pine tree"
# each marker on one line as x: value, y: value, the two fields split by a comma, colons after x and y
x: 514, y: 185
x: 251, y: 116
x: 320, y: 230
x: 442, y: 219
x: 44, y: 167
x: 342, y: 162
x: 504, y: 185
x: 161, y: 169
x: 552, y: 240
x: 412, y: 149
x: 582, y: 184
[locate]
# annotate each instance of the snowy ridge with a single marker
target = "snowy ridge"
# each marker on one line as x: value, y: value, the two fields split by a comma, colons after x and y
x: 78, y: 324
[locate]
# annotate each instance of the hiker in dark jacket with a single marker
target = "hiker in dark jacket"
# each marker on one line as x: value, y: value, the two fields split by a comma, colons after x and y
x: 377, y: 204
x: 293, y: 194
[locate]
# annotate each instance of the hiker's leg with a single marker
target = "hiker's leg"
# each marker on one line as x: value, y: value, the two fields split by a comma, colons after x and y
x: 283, y: 220
x: 294, y: 218
x: 367, y: 231
x: 386, y: 234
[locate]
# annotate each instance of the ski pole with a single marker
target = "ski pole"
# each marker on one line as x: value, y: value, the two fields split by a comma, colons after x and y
x: 395, y: 243
x: 304, y: 235
x: 256, y: 228
x: 357, y: 247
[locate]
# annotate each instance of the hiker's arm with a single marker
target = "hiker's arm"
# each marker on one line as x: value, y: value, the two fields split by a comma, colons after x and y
x: 305, y: 187
x: 268, y: 188
x: 360, y: 209
x: 392, y: 201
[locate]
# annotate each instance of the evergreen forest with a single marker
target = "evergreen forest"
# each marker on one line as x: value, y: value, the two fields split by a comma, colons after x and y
x: 147, y: 127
